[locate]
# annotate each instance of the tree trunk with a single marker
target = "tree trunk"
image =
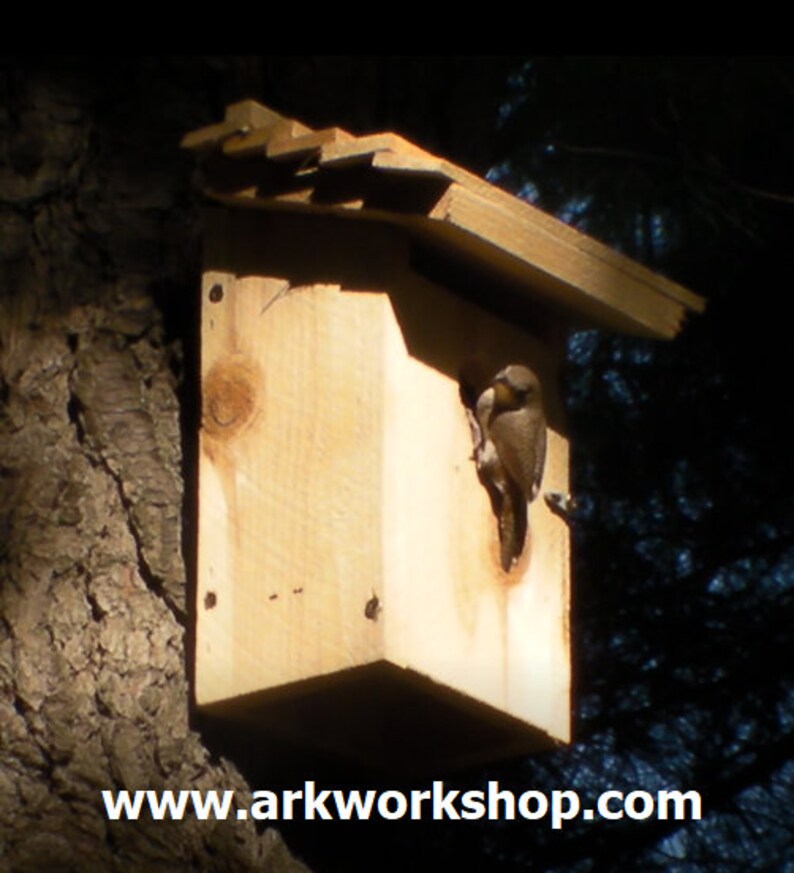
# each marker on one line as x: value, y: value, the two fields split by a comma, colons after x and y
x: 97, y: 252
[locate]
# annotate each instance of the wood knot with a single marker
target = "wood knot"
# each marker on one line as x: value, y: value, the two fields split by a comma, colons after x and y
x: 229, y: 397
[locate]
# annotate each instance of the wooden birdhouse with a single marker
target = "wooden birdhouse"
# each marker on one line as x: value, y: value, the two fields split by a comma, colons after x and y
x: 359, y: 298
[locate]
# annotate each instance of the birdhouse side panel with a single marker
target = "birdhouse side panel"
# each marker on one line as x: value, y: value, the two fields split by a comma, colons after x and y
x: 289, y: 483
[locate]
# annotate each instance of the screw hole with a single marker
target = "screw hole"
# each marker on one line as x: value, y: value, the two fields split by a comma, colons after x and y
x: 372, y: 608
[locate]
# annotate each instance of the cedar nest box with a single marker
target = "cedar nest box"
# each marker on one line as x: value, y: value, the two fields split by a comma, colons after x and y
x: 358, y: 295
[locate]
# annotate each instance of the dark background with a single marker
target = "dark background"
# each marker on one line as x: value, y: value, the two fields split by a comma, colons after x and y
x: 684, y: 537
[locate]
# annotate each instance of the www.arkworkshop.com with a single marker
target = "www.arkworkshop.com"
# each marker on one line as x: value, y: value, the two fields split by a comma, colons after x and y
x: 434, y: 803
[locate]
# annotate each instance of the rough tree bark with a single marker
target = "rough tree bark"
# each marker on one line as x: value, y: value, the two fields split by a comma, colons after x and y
x: 97, y: 231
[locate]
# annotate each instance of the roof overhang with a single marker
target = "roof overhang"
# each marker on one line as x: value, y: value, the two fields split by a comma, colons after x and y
x: 258, y: 158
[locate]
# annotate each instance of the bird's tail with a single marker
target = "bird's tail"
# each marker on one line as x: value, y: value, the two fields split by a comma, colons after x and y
x: 512, y: 525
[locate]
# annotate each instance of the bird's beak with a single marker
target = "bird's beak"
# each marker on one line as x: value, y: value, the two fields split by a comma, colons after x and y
x: 503, y: 393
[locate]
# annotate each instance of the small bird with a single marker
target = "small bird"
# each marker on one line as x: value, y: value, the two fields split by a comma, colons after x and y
x: 511, y: 451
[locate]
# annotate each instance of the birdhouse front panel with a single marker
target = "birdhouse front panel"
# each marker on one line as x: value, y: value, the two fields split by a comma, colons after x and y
x: 452, y: 612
